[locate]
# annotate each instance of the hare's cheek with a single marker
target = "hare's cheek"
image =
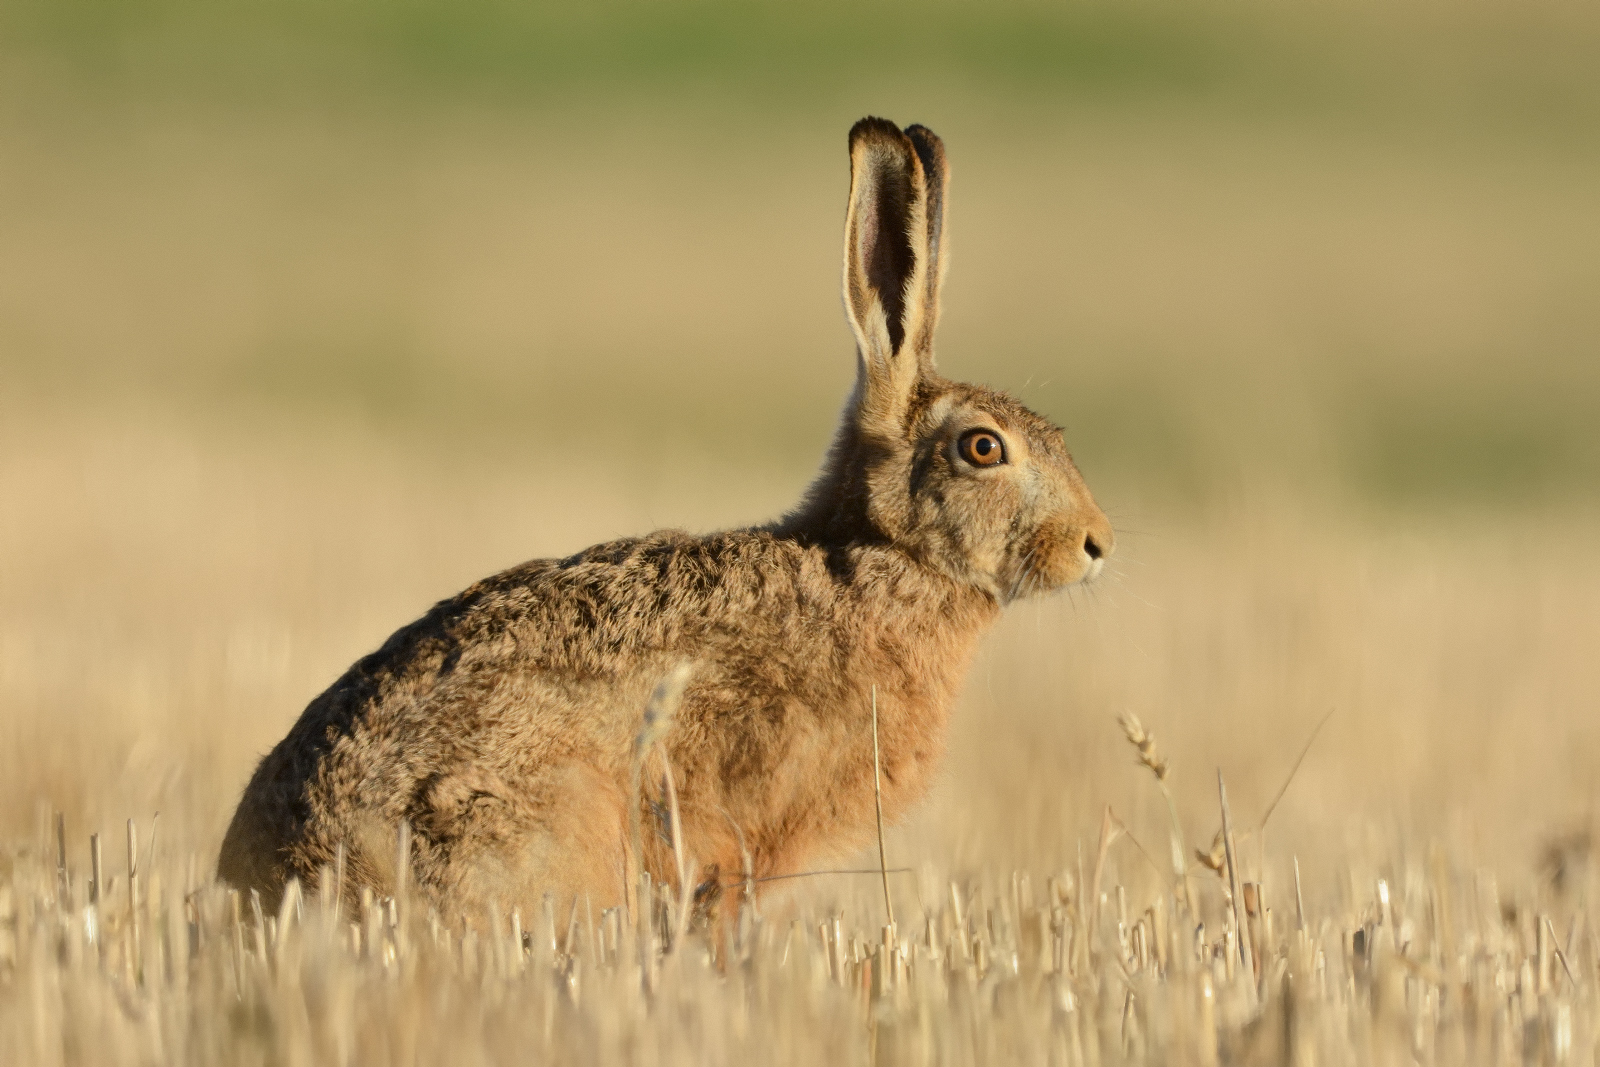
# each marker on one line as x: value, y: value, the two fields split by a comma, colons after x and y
x: 988, y: 554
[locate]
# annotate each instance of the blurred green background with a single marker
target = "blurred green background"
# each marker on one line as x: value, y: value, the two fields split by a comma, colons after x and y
x: 1345, y: 249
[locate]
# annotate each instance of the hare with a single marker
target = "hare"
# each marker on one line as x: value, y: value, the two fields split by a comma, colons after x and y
x: 501, y: 727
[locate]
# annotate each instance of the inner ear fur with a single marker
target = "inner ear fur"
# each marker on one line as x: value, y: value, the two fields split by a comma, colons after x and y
x: 893, y: 257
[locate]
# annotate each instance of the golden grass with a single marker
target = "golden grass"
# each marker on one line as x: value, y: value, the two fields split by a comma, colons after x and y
x: 1428, y: 964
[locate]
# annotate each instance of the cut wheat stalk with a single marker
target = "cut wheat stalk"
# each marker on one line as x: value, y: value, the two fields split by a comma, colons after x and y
x: 658, y: 715
x: 877, y: 796
x: 1299, y: 900
x: 681, y: 860
x: 136, y: 951
x: 63, y: 880
x: 1108, y: 832
x: 97, y: 874
x: 1240, y: 931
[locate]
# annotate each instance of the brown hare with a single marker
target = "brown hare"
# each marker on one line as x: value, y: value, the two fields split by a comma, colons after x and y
x: 501, y: 726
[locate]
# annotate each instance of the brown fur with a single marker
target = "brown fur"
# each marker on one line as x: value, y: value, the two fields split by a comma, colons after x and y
x: 502, y: 724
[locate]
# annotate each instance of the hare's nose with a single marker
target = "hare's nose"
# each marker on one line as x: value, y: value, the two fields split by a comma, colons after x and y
x: 1098, y: 540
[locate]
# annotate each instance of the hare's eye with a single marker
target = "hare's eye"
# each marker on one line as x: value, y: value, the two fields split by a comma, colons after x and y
x: 982, y: 448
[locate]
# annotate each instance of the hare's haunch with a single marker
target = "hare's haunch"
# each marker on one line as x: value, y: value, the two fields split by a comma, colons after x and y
x: 501, y: 727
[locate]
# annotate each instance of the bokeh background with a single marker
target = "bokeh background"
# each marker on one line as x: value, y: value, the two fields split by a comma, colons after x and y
x: 312, y: 313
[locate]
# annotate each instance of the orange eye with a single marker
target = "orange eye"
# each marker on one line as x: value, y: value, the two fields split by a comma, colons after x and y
x: 982, y: 448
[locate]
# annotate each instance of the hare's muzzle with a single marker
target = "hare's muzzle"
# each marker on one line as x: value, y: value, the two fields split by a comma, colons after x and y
x: 1069, y: 548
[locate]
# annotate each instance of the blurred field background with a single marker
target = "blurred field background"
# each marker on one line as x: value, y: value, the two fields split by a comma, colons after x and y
x: 311, y: 314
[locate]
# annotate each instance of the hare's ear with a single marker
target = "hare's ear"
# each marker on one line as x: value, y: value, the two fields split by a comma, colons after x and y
x: 892, y: 246
x: 935, y: 178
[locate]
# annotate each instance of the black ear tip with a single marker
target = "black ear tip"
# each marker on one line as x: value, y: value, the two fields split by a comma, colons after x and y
x: 875, y: 128
x: 927, y: 143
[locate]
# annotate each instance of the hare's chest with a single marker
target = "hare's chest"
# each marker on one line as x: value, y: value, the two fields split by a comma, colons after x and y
x: 887, y: 745
x: 910, y: 751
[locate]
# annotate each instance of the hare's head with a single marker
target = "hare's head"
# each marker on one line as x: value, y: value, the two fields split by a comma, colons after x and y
x: 965, y: 479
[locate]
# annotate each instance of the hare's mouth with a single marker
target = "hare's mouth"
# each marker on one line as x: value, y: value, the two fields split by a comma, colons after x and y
x: 1076, y: 569
x: 1055, y: 564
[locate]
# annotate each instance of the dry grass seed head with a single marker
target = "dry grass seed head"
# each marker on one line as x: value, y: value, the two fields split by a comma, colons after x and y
x: 1145, y: 742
